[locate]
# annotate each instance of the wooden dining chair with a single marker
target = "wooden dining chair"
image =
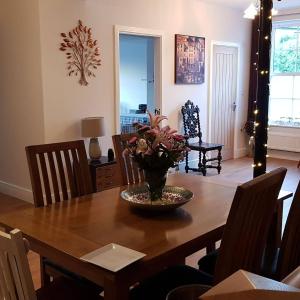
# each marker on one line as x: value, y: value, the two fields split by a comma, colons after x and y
x: 289, y: 252
x: 192, y: 130
x: 247, y: 227
x: 16, y: 280
x: 130, y: 171
x: 242, y: 245
x: 58, y: 172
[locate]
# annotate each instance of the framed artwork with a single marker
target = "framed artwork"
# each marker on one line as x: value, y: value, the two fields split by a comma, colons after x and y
x: 189, y: 59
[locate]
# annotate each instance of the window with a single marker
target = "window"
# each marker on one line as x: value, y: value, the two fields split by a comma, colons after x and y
x: 284, y: 106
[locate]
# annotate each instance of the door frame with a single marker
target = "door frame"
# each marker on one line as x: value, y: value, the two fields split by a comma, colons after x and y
x: 118, y: 29
x: 238, y: 96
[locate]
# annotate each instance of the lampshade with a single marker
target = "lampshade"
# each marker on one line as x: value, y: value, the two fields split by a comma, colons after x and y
x: 92, y: 127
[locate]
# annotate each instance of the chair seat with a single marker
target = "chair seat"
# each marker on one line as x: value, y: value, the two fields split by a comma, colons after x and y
x: 208, y: 262
x: 158, y: 286
x: 204, y: 146
x: 188, y: 292
x: 75, y: 278
x: 63, y: 288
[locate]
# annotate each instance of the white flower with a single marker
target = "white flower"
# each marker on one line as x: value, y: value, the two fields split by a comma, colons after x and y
x: 142, y: 146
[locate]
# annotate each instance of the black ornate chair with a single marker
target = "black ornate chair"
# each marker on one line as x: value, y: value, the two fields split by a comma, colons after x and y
x: 192, y: 129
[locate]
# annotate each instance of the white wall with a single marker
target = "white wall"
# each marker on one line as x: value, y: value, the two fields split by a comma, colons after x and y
x: 34, y: 112
x: 284, y: 138
x: 21, y: 101
x: 66, y: 102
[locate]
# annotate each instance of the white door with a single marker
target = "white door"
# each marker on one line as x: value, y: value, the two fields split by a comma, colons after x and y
x: 224, y: 97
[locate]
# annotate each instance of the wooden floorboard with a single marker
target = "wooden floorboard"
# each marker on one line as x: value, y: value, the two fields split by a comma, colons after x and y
x: 237, y: 171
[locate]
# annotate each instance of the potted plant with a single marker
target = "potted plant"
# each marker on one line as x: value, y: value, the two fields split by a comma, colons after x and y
x: 249, y: 129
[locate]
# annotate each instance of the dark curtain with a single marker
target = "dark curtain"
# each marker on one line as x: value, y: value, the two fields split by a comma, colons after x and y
x: 253, y: 72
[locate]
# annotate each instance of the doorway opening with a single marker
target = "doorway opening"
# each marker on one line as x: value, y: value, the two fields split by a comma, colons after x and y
x: 138, y: 77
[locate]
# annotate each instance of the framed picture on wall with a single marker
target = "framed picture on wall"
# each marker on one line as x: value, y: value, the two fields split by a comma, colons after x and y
x: 189, y: 59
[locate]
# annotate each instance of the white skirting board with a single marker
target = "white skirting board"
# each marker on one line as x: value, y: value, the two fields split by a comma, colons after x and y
x: 284, y: 154
x: 240, y: 152
x: 286, y: 139
x: 16, y: 191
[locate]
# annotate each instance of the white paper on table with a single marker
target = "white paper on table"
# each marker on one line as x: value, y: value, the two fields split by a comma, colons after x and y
x: 113, y: 257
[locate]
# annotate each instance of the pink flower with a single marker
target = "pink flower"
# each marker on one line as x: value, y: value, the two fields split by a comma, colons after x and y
x: 178, y: 137
x: 168, y: 130
x: 132, y: 140
x: 155, y: 119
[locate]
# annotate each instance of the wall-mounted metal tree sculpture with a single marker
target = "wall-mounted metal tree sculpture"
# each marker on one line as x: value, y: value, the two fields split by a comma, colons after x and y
x: 263, y: 80
x: 81, y: 51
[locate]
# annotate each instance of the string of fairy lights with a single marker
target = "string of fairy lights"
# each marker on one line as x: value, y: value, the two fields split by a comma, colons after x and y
x: 262, y: 68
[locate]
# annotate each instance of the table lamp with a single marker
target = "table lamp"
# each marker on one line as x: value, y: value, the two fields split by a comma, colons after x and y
x: 93, y: 128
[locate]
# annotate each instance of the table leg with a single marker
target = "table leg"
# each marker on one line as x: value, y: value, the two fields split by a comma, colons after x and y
x: 115, y: 290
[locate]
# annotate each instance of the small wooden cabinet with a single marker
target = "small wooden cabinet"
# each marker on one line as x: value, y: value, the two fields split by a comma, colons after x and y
x: 105, y: 174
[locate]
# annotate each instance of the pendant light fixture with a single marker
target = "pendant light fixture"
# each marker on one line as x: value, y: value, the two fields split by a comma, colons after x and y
x: 253, y: 10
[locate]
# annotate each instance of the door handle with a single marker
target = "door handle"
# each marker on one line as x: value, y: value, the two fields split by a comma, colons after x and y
x: 234, y: 106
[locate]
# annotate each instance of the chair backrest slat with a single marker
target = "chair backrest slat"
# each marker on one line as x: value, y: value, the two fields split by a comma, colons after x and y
x: 8, y: 279
x: 76, y: 171
x: 135, y: 171
x: 45, y: 178
x: 129, y: 169
x: 15, y: 277
x: 61, y: 175
x: 35, y: 178
x: 246, y: 231
x: 71, y: 179
x: 84, y: 171
x: 289, y: 254
x: 4, y: 293
x: 49, y: 169
x: 53, y: 176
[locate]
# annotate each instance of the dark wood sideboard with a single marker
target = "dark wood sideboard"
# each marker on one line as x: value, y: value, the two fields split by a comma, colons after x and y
x: 105, y: 174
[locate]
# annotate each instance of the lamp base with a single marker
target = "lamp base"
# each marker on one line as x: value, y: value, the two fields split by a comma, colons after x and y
x: 94, y: 149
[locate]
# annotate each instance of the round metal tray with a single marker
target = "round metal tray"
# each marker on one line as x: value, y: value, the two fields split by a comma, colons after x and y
x: 137, y: 196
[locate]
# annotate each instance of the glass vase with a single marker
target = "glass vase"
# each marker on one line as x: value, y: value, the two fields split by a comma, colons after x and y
x: 156, y: 181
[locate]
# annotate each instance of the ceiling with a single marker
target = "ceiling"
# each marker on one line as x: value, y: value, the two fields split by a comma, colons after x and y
x: 243, y: 4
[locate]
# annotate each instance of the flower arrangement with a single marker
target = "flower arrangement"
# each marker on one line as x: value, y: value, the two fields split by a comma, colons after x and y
x: 156, y: 148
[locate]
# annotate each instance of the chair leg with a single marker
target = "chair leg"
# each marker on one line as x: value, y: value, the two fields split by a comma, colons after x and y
x: 219, y: 160
x: 200, y: 162
x: 204, y: 163
x: 210, y: 247
x: 45, y: 278
x: 186, y: 162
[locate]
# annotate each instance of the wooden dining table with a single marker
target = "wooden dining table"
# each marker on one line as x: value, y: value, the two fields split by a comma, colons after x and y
x: 65, y: 231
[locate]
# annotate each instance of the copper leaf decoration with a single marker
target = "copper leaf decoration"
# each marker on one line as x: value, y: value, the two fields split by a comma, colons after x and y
x: 82, y: 52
